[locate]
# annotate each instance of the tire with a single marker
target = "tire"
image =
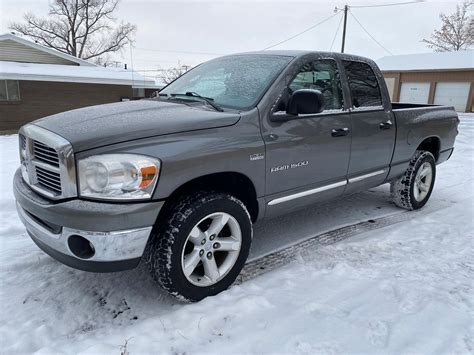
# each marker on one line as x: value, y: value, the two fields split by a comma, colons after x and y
x: 413, y: 189
x: 180, y: 235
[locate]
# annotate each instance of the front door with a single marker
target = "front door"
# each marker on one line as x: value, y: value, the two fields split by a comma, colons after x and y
x: 307, y: 157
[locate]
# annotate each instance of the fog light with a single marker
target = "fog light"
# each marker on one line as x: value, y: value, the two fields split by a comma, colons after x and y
x: 80, y: 247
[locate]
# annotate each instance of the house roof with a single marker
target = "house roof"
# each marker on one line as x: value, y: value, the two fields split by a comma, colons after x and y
x: 37, y: 46
x: 75, y: 74
x: 81, y: 72
x: 428, y: 61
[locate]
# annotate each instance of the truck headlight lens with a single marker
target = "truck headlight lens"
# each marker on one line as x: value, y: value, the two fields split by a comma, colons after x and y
x: 118, y: 176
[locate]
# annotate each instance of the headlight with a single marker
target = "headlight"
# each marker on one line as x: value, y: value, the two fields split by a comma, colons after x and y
x: 118, y: 176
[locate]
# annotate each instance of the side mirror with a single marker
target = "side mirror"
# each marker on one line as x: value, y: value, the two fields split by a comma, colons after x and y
x: 305, y: 101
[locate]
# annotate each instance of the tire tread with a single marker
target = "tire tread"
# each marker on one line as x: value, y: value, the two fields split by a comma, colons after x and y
x: 400, y: 188
x: 159, y: 249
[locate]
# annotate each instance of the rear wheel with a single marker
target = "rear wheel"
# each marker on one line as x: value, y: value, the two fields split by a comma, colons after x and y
x: 202, y: 246
x: 413, y: 189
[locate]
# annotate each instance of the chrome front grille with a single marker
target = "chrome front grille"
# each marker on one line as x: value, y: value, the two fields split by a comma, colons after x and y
x: 22, y: 142
x: 49, y: 180
x: 47, y: 162
x: 45, y: 154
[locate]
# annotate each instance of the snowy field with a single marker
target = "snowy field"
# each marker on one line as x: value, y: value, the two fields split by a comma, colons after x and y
x: 404, y: 288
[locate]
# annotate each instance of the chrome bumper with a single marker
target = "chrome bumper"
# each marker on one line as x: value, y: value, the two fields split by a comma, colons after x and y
x: 107, y: 246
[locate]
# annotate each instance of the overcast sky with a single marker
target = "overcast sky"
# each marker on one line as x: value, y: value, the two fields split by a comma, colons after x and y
x: 190, y: 32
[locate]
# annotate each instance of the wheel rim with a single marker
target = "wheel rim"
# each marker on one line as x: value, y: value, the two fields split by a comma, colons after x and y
x: 423, y: 180
x: 211, y: 249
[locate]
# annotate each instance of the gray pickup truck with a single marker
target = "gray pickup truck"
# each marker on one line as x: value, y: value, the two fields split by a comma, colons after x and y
x: 177, y: 181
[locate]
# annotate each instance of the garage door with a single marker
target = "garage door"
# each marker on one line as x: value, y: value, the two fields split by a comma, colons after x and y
x: 390, y: 82
x: 452, y: 94
x: 415, y: 93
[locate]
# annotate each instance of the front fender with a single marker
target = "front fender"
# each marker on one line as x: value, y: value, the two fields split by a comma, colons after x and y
x: 190, y: 155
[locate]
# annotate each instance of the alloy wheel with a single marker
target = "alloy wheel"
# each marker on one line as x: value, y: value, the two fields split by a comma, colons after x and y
x: 423, y: 180
x: 211, y: 249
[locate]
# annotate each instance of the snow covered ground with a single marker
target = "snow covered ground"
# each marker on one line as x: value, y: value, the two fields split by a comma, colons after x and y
x: 405, y: 288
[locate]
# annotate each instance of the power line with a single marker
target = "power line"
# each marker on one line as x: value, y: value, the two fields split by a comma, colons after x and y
x: 337, y: 31
x: 177, y: 51
x: 355, y: 18
x: 304, y: 31
x: 150, y: 70
x: 392, y: 4
x: 154, y: 60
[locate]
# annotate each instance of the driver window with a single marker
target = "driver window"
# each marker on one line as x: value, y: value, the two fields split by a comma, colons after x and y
x: 320, y: 75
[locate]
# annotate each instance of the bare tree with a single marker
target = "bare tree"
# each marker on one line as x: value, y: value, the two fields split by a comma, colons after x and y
x: 174, y: 73
x: 82, y: 28
x: 457, y: 30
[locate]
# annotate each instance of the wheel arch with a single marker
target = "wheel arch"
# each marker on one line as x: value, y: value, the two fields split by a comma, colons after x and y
x: 431, y: 144
x: 234, y: 183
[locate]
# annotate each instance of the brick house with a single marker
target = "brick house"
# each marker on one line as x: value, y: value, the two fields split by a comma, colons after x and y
x: 36, y: 81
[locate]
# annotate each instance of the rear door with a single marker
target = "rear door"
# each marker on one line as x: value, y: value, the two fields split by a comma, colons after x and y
x: 373, y: 128
x: 307, y: 157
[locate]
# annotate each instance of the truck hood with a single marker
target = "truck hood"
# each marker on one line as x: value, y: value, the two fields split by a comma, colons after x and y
x: 101, y: 125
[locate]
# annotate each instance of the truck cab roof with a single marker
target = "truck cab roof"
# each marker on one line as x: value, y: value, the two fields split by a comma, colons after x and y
x: 302, y: 53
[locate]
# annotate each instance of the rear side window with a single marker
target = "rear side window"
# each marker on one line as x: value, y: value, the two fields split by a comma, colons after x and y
x: 365, y: 90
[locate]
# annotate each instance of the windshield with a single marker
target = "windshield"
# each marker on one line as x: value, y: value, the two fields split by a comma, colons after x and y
x: 235, y: 81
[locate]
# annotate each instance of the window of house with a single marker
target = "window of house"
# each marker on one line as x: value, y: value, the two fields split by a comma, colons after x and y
x: 365, y: 90
x: 321, y: 75
x: 9, y: 90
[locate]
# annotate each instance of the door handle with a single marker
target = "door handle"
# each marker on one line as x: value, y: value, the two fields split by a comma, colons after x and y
x: 386, y: 125
x: 340, y: 132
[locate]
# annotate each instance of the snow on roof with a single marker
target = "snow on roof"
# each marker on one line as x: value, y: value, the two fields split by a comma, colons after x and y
x: 75, y: 74
x: 8, y: 36
x: 428, y: 61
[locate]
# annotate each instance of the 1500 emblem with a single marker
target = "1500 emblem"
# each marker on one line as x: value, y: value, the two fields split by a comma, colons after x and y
x: 300, y: 164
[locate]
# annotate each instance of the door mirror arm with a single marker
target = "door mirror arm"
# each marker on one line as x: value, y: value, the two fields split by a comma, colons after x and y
x: 282, y: 116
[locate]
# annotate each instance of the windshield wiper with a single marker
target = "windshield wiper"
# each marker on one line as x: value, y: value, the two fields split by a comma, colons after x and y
x: 208, y: 100
x: 165, y: 97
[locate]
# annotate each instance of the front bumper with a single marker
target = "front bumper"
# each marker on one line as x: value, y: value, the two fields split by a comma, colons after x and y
x: 87, y: 235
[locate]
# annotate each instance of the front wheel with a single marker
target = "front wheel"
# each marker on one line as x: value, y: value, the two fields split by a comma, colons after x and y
x: 202, y: 245
x: 413, y: 189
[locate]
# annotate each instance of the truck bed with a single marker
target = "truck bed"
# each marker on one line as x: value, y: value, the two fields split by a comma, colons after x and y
x: 405, y: 105
x: 417, y: 122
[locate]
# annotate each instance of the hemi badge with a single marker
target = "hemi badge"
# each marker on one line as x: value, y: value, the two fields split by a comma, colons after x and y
x: 257, y: 156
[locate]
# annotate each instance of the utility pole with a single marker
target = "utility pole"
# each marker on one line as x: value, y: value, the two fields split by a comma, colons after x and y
x: 344, y: 29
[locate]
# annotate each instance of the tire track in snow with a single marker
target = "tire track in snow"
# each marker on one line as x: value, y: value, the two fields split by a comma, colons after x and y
x: 281, y: 257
